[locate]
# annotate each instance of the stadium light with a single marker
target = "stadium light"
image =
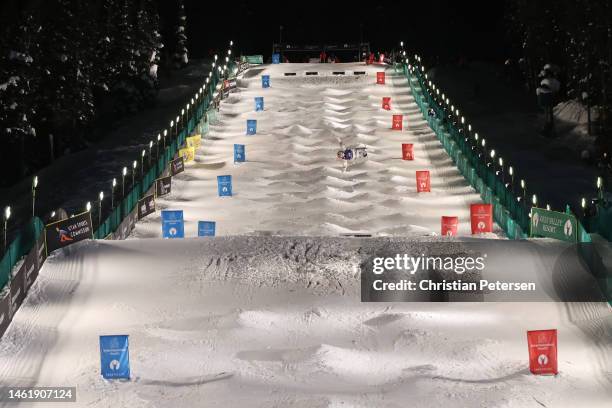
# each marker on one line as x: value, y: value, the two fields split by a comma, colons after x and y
x: 548, y: 207
x: 534, y: 200
x: 88, y: 206
x: 231, y: 43
x: 492, y: 153
x: 215, y: 57
x: 34, y: 185
x: 476, y: 136
x: 469, y: 127
x: 583, y: 203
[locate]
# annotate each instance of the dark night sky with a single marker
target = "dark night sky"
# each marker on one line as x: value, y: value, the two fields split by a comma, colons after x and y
x: 461, y: 28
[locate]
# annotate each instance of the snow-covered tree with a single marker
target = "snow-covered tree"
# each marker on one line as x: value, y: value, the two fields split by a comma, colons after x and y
x: 180, y: 57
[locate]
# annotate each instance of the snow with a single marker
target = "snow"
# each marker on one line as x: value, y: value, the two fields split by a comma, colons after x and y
x: 260, y: 317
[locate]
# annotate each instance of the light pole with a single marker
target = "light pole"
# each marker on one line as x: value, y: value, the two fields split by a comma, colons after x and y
x: 123, y: 174
x: 34, y: 185
x: 134, y: 165
x: 511, y: 172
x: 524, y: 188
x: 599, y: 184
x: 165, y: 134
x: 142, y: 156
x: 177, y: 126
x: 182, y: 118
x: 114, y: 184
x: 157, y: 147
x: 171, y: 126
x: 7, y: 215
x: 100, y: 198
x: 150, y: 152
x: 88, y: 206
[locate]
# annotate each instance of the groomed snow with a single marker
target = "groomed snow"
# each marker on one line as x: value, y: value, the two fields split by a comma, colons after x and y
x: 276, y: 321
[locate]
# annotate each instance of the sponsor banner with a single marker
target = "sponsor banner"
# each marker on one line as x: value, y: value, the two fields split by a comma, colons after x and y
x: 177, y: 166
x: 449, y: 226
x: 173, y: 225
x: 542, y: 351
x: 553, y: 224
x: 114, y: 357
x: 31, y: 267
x: 224, y: 186
x: 265, y: 81
x: 397, y: 123
x: 423, y: 181
x: 233, y: 84
x: 5, y: 312
x: 194, y: 141
x: 187, y: 153
x: 380, y: 78
x: 481, y: 216
x: 386, y: 102
x: 253, y: 59
x: 206, y: 228
x: 146, y: 206
x: 259, y: 103
x: 251, y: 127
x: 60, y: 234
x: 18, y: 290
x: 407, y: 151
x: 163, y: 186
x: 276, y: 58
x: 239, y: 153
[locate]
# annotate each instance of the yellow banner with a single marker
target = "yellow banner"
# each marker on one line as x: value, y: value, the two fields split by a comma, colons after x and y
x: 188, y: 154
x: 194, y: 141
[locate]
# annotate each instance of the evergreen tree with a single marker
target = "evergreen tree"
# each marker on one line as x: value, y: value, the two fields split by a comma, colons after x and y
x: 180, y: 57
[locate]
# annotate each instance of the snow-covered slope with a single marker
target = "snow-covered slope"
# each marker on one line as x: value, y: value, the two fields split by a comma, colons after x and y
x: 292, y: 182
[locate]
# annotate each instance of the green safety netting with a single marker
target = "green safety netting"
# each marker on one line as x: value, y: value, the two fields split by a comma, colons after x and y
x: 22, y: 244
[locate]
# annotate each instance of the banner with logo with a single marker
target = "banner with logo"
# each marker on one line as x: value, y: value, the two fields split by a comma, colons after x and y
x: 60, y: 234
x: 173, y: 225
x: 251, y: 127
x: 253, y: 59
x: 407, y: 151
x: 265, y: 81
x: 224, y: 186
x: 177, y: 166
x: 386, y: 103
x: 115, y: 357
x: 276, y: 58
x: 553, y: 224
x: 206, y: 228
x: 542, y: 351
x: 194, y: 141
x: 187, y: 153
x: 5, y: 312
x: 146, y: 206
x: 397, y: 123
x: 239, y: 153
x: 481, y: 217
x: 380, y: 78
x: 233, y: 84
x: 259, y: 103
x: 423, y: 181
x: 449, y: 226
x: 163, y: 186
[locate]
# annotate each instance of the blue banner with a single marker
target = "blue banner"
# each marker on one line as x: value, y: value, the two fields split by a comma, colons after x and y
x: 224, y: 185
x: 265, y: 81
x: 115, y: 357
x: 276, y: 58
x: 239, y: 153
x: 251, y: 126
x: 173, y: 225
x: 259, y: 103
x: 206, y: 228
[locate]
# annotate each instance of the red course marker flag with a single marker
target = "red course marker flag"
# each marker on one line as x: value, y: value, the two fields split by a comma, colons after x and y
x: 397, y: 123
x: 386, y: 103
x: 449, y: 226
x: 380, y: 78
x: 407, y: 151
x: 542, y: 351
x: 423, y: 181
x: 481, y: 216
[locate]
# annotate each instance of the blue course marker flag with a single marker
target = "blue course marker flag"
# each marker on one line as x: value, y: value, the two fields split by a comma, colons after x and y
x: 224, y: 185
x: 239, y: 153
x: 276, y: 58
x: 206, y: 228
x: 265, y: 81
x: 251, y: 127
x: 115, y: 357
x: 173, y: 225
x: 259, y: 103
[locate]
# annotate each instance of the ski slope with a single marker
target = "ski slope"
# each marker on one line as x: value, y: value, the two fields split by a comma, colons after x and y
x: 269, y: 314
x: 292, y: 182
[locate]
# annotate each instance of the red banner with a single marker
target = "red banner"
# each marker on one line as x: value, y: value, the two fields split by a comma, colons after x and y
x: 423, y: 181
x: 542, y: 351
x: 386, y: 103
x: 481, y: 216
x: 397, y: 123
x: 407, y: 151
x: 380, y: 78
x: 449, y: 226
